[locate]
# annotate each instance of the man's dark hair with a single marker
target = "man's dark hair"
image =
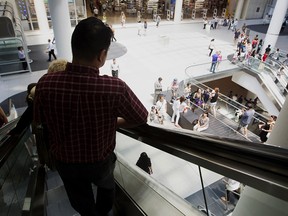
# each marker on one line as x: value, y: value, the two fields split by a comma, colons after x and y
x: 89, y: 38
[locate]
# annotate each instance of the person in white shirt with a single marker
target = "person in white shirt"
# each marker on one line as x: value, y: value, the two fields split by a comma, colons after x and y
x: 233, y: 187
x: 51, y: 48
x: 157, y: 90
x: 22, y: 58
x: 115, y: 68
x: 139, y: 26
x: 158, y: 19
x: 161, y: 107
x: 179, y: 106
x: 176, y: 112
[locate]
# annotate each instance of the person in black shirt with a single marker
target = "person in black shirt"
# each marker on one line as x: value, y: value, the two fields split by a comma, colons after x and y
x: 268, y: 49
x: 144, y: 163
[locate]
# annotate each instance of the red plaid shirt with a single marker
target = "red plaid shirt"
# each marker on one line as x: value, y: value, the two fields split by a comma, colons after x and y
x: 80, y: 108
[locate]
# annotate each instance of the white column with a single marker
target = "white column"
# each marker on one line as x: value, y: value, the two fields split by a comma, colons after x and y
x: 275, y: 24
x: 41, y: 16
x: 255, y: 201
x: 178, y: 11
x: 59, y: 12
x: 239, y: 9
x: 245, y: 8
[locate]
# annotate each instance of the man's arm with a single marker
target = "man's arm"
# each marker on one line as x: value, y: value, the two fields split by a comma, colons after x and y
x: 131, y: 111
x: 121, y: 122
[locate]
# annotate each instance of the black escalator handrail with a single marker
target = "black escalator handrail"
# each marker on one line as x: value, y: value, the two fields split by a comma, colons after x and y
x: 9, y: 144
x: 261, y: 166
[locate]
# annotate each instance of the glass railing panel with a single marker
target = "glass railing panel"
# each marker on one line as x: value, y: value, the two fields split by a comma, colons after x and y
x: 14, y: 175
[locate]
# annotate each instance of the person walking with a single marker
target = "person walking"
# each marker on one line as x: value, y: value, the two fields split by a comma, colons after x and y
x: 115, y: 68
x: 205, y: 22
x: 246, y: 119
x: 51, y: 50
x: 213, y: 100
x: 157, y: 89
x: 82, y: 110
x: 219, y: 60
x: 145, y: 27
x: 214, y: 62
x: 176, y: 111
x: 211, y: 46
x: 22, y: 58
x: 158, y: 19
x: 139, y: 27
x: 123, y: 19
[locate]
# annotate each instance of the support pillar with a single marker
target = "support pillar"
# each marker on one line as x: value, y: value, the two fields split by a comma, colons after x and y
x: 254, y: 202
x: 62, y: 27
x: 178, y: 11
x: 245, y: 8
x: 239, y: 8
x: 275, y: 24
x: 41, y: 16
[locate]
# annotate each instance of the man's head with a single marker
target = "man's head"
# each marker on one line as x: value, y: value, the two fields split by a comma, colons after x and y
x: 90, y: 42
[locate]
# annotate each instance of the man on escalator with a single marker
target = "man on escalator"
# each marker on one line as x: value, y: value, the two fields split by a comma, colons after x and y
x: 82, y: 110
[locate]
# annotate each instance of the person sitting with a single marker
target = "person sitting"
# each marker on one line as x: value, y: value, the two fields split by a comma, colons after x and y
x: 203, y: 122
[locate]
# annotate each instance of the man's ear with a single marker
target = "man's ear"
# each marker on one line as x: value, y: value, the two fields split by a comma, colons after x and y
x: 102, y: 57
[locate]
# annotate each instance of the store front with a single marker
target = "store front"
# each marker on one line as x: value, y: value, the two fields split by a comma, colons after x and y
x: 28, y: 12
x: 149, y: 9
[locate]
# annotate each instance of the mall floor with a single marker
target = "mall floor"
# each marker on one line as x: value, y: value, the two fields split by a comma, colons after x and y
x: 163, y: 52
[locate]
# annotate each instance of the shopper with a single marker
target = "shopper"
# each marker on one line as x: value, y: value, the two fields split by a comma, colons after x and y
x: 214, y: 62
x: 211, y: 46
x: 246, y: 119
x: 51, y: 50
x: 115, y: 68
x: 22, y: 58
x: 157, y: 89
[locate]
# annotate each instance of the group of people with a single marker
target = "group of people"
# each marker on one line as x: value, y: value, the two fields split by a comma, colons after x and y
x: 204, y: 99
x: 215, y: 22
x: 247, y: 48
